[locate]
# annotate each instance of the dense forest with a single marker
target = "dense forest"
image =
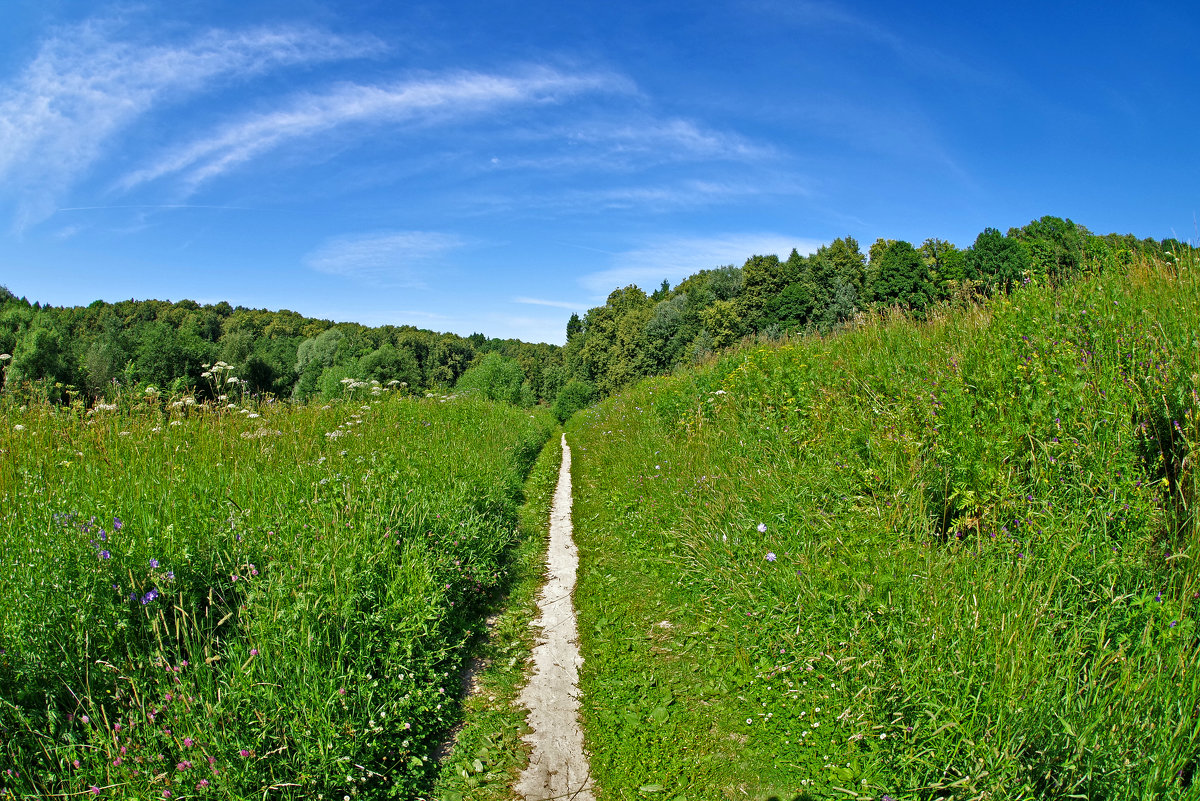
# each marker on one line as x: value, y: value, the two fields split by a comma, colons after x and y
x: 98, y: 351
x: 101, y: 350
x: 635, y: 334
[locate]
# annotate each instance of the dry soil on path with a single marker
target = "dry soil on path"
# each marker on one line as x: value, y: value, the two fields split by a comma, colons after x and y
x: 558, y: 767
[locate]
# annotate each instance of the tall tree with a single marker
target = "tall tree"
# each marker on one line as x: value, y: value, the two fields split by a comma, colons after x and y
x: 999, y: 262
x: 899, y: 276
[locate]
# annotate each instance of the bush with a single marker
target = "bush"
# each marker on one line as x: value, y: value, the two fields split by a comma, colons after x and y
x: 574, y: 396
x: 499, y: 379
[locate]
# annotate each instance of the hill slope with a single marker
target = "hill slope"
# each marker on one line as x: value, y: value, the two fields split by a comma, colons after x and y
x: 952, y: 559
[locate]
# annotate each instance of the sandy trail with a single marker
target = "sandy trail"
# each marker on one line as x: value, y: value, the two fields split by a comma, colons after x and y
x: 558, y: 767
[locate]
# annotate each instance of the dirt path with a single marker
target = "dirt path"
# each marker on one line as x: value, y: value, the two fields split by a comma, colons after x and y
x: 558, y: 768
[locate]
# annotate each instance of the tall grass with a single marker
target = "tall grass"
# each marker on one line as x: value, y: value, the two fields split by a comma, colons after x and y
x: 260, y: 602
x: 953, y: 559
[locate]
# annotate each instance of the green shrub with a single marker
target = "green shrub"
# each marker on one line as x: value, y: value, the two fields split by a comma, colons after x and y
x: 576, y: 395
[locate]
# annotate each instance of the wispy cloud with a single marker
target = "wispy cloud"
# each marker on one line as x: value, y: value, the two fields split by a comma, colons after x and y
x: 557, y: 304
x: 917, y: 54
x: 625, y: 140
x: 676, y: 258
x: 90, y: 81
x: 679, y: 195
x: 681, y: 138
x: 396, y: 258
x: 444, y: 98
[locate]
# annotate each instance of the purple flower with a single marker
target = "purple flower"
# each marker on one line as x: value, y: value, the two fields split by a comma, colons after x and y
x: 1158, y: 598
x: 150, y: 596
x: 153, y: 563
x: 105, y: 555
x: 762, y: 528
x: 117, y: 524
x: 253, y: 652
x: 770, y: 556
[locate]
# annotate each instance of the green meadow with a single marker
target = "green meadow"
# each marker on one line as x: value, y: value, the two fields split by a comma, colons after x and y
x: 952, y: 559
x: 939, y: 556
x: 259, y: 601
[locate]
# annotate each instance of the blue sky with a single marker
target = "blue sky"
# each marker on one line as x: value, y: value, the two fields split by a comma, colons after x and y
x: 492, y: 167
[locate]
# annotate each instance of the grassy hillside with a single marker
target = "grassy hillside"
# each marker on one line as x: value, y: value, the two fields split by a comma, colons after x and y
x: 259, y: 602
x: 954, y: 559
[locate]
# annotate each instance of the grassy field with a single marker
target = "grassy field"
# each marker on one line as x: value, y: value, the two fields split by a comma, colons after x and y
x: 260, y: 602
x: 954, y: 559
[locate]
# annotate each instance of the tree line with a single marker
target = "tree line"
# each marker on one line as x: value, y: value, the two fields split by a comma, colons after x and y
x: 103, y: 349
x: 635, y: 334
x: 98, y: 351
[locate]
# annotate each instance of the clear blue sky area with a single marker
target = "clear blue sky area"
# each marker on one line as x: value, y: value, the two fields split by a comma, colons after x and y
x: 491, y: 167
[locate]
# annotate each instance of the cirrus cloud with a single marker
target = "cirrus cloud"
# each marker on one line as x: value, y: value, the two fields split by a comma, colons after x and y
x: 443, y: 97
x: 394, y: 258
x: 90, y: 81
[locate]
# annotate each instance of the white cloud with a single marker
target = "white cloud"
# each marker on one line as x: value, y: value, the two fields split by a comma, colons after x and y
x: 676, y: 258
x: 674, y: 137
x: 86, y: 84
x: 396, y: 258
x: 557, y: 304
x: 680, y: 195
x: 434, y: 98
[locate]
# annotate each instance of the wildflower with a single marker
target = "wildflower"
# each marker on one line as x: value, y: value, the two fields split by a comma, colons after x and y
x: 1158, y: 598
x: 188, y: 742
x: 243, y: 753
x: 1173, y: 624
x: 153, y: 563
x: 770, y: 556
x: 150, y: 596
x: 85, y: 718
x: 762, y: 528
x: 201, y: 784
x: 253, y: 652
x: 105, y: 555
x: 18, y: 427
x: 94, y: 790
